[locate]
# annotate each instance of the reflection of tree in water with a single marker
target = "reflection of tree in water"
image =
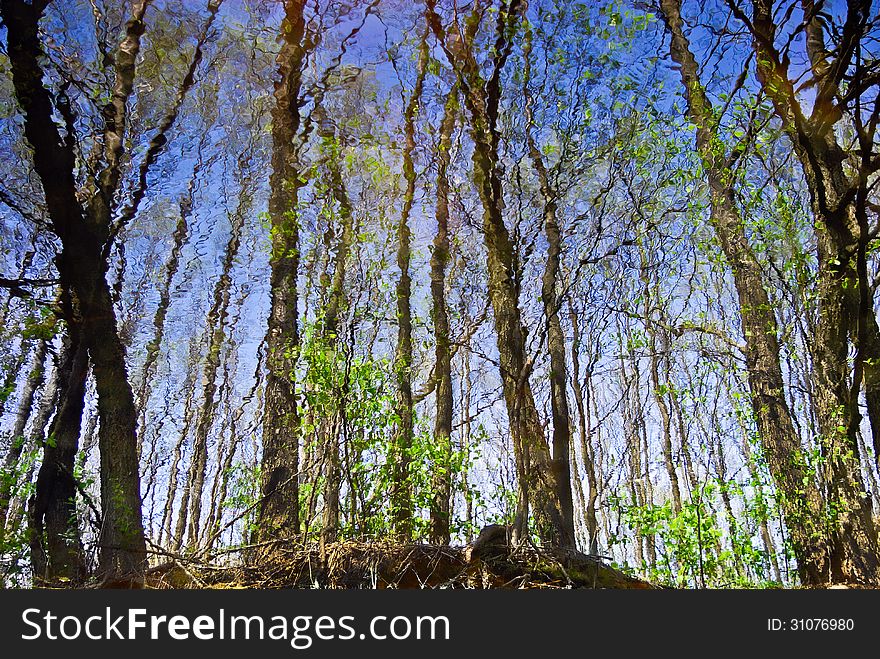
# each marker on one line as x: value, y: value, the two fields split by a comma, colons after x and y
x: 298, y: 279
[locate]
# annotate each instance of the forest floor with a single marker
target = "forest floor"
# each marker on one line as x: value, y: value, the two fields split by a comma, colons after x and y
x: 386, y: 564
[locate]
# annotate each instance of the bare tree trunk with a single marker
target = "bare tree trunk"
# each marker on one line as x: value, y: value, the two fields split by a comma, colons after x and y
x: 633, y: 450
x: 843, y: 295
x: 647, y: 483
x: 214, y: 527
x: 401, y: 493
x: 721, y: 469
x: 56, y: 547
x: 330, y: 329
x: 223, y: 447
x: 442, y: 479
x: 216, y: 329
x: 869, y: 469
x: 176, y: 539
x: 332, y: 482
x: 659, y: 392
x: 561, y: 444
x: 40, y: 420
x: 179, y: 239
x: 683, y: 436
x: 657, y: 354
x: 278, y: 514
x: 466, y: 444
x: 587, y: 454
x: 26, y: 261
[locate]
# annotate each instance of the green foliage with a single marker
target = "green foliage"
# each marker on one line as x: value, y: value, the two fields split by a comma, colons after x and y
x: 429, y: 459
x: 243, y: 494
x: 349, y: 394
x: 695, y: 548
x: 41, y: 323
x: 353, y: 395
x: 14, y: 544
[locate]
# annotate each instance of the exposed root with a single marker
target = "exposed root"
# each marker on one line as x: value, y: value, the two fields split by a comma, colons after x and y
x: 385, y: 564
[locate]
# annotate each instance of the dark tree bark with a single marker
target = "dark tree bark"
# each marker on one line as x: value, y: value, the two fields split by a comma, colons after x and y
x: 84, y: 233
x: 278, y: 514
x: 559, y: 410
x: 56, y: 548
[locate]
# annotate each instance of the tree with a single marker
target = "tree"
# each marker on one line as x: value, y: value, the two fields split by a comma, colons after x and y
x: 35, y: 380
x: 802, y: 505
x: 552, y: 303
x: 440, y: 254
x: 401, y: 496
x: 56, y: 545
x: 84, y: 230
x: 844, y: 297
x: 279, y: 499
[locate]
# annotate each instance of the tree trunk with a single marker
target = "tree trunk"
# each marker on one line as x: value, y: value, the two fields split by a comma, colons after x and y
x: 760, y: 504
x: 401, y: 492
x: 587, y: 454
x: 40, y: 420
x: 659, y: 391
x: 216, y: 329
x: 466, y: 440
x: 558, y: 369
x: 151, y: 351
x: 559, y: 410
x: 56, y: 548
x: 329, y: 331
x: 536, y: 477
x: 843, y: 300
x: 175, y: 538
x: 442, y: 478
x: 657, y: 354
x: 647, y: 484
x: 632, y: 420
x: 278, y: 514
x: 34, y: 381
